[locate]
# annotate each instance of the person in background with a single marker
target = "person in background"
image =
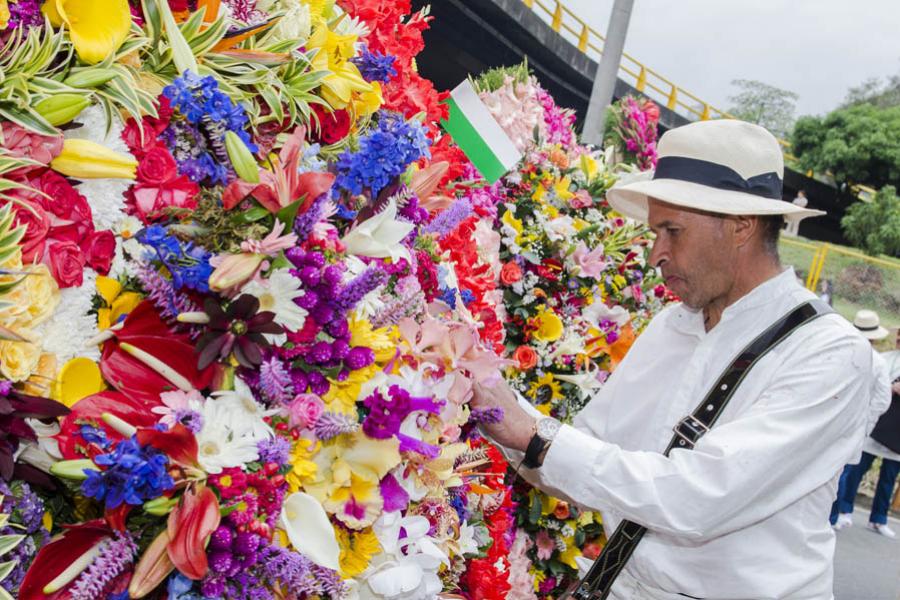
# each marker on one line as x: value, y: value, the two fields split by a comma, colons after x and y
x: 826, y: 292
x: 884, y: 440
x: 793, y: 228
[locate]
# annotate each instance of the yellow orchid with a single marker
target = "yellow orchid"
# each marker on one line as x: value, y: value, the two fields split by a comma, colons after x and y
x: 97, y: 29
x: 117, y: 304
x: 571, y: 553
x: 510, y: 220
x: 342, y: 395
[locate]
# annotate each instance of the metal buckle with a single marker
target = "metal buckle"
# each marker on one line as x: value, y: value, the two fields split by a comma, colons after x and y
x: 695, y: 430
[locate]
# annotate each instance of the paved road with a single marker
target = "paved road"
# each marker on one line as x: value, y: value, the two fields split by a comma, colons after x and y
x: 866, y: 565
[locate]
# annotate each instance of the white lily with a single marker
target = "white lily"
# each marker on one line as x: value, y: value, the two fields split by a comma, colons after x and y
x: 586, y: 381
x: 311, y: 533
x: 599, y: 311
x: 380, y: 236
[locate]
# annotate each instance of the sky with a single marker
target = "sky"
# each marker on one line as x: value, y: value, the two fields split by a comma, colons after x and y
x: 816, y: 48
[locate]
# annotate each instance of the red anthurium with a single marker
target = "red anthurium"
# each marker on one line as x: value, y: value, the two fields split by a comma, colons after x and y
x: 146, y: 334
x: 190, y: 525
x: 90, y: 410
x: 57, y: 556
x: 284, y: 185
x: 179, y: 443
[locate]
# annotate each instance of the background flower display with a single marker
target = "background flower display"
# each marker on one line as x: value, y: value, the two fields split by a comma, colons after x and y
x: 246, y: 288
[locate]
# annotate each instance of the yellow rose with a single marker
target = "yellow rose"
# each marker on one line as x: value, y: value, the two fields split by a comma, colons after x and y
x: 18, y: 360
x: 14, y: 309
x: 43, y: 292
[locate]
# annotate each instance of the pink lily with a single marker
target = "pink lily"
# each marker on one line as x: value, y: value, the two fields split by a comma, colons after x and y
x: 591, y: 263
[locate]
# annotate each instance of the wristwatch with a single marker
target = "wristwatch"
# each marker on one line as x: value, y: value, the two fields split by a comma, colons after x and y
x: 545, y: 430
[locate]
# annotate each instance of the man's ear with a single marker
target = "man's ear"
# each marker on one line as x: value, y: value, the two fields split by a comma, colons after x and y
x: 744, y: 228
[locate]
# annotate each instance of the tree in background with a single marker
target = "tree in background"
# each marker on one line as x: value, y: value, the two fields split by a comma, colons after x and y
x: 857, y: 144
x: 874, y: 226
x: 765, y: 105
x: 882, y: 93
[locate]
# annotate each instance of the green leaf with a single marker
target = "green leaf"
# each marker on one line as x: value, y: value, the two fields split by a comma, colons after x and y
x: 29, y: 120
x: 534, y: 511
x: 252, y: 215
x: 152, y: 20
x: 181, y: 52
x: 287, y: 214
x: 8, y: 542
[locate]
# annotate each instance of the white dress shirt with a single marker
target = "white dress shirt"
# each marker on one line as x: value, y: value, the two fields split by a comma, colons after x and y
x: 745, y: 514
x: 881, y: 400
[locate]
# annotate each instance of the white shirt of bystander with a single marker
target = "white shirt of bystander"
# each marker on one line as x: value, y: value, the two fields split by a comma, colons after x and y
x: 745, y: 514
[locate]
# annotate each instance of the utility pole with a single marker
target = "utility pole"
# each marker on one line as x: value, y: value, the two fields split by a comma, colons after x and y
x: 607, y: 72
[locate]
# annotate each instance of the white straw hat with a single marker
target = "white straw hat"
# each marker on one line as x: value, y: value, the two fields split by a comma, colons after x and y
x: 724, y: 166
x: 869, y: 325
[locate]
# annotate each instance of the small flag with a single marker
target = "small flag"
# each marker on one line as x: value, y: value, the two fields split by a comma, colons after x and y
x: 474, y: 129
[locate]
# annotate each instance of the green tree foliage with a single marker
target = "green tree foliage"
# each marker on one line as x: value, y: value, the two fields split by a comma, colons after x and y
x: 874, y: 226
x: 882, y: 93
x: 764, y: 104
x: 858, y: 144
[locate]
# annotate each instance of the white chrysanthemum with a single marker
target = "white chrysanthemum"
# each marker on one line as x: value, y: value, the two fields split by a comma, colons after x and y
x: 70, y: 327
x: 105, y: 196
x: 128, y: 249
x: 246, y: 416
x: 220, y: 444
x: 277, y: 293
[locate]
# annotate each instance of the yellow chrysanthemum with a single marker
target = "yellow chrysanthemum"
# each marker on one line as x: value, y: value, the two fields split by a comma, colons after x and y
x: 546, y: 389
x: 382, y: 341
x: 549, y: 325
x: 303, y: 469
x: 357, y: 550
x: 97, y: 29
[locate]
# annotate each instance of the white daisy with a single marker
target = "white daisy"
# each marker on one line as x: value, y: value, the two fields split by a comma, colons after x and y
x: 277, y: 294
x: 243, y: 414
x: 220, y: 444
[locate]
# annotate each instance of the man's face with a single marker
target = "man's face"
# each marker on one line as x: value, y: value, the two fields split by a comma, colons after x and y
x: 695, y: 252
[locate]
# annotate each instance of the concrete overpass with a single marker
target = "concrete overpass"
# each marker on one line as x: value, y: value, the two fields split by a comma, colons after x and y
x: 471, y: 36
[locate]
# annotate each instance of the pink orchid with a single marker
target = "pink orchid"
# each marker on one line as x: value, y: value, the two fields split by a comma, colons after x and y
x: 284, y: 184
x: 591, y: 263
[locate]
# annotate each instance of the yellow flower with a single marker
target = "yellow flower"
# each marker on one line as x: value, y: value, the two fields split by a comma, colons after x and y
x: 549, y: 325
x: 4, y: 14
x: 18, y: 360
x: 303, y: 469
x: 338, y: 87
x: 585, y: 518
x: 320, y: 8
x: 41, y: 381
x: 588, y: 166
x: 117, y: 303
x: 357, y: 550
x: 367, y: 103
x: 43, y: 293
x: 546, y: 385
x: 562, y: 188
x: 342, y: 395
x: 79, y: 378
x: 572, y: 552
x: 510, y: 220
x: 97, y: 29
x: 382, y: 341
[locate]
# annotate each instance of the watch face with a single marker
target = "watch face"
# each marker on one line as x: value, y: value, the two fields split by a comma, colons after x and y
x: 547, y: 428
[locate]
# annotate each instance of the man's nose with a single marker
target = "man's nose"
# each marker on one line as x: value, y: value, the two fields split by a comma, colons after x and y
x: 659, y: 254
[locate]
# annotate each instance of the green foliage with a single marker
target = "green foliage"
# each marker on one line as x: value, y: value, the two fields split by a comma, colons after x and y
x: 875, y: 91
x: 874, y: 226
x: 859, y: 144
x: 764, y: 104
x: 495, y: 78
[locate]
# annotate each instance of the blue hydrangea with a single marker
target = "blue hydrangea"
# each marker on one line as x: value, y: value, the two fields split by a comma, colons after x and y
x: 133, y: 475
x: 187, y: 263
x: 375, y: 66
x: 383, y: 154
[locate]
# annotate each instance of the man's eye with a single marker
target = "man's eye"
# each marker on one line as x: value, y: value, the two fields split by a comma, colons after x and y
x: 672, y: 231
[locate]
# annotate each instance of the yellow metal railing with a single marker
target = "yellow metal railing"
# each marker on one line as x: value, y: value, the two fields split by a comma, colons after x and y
x: 643, y: 78
x: 820, y: 254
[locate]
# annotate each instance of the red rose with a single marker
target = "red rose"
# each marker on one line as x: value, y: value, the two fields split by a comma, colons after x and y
x: 101, y: 249
x: 63, y: 197
x: 157, y: 166
x: 526, y: 357
x: 66, y: 262
x: 510, y: 273
x: 333, y: 126
x: 37, y: 224
x: 151, y: 200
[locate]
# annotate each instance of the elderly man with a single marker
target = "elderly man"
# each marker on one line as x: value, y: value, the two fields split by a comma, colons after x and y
x: 744, y: 515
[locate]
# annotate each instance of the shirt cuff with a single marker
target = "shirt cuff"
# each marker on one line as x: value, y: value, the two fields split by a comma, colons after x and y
x: 569, y: 464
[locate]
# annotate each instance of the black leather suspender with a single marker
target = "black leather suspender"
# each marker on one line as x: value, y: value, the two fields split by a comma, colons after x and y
x: 597, y: 584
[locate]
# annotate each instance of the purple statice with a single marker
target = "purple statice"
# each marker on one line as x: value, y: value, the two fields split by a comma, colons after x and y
x: 298, y: 575
x: 132, y: 474
x: 202, y: 116
x: 116, y: 554
x: 274, y: 450
x: 387, y: 413
x: 331, y: 424
x: 168, y: 301
x: 24, y: 13
x: 375, y: 66
x: 449, y: 219
x: 384, y: 153
x: 357, y: 288
x: 275, y: 381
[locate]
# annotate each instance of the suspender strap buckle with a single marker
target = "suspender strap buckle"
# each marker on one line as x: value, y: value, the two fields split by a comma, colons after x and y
x: 689, y: 430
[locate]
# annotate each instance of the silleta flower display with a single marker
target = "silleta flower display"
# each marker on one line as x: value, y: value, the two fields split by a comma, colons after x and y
x: 247, y: 286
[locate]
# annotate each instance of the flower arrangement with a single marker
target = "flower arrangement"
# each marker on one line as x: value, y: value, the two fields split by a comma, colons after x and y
x: 246, y: 289
x: 631, y: 127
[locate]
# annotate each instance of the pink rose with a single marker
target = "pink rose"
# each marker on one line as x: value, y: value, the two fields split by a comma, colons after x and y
x: 305, y: 410
x: 582, y: 199
x: 158, y: 166
x: 150, y: 200
x: 101, y: 249
x: 23, y: 143
x: 66, y: 262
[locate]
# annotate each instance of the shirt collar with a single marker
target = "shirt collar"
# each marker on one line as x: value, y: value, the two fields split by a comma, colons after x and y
x: 690, y: 322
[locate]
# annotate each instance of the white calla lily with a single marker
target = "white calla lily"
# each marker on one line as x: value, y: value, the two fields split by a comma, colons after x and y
x: 380, y: 236
x: 309, y: 530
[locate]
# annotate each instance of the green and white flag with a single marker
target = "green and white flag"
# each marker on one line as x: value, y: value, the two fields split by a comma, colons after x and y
x: 474, y: 129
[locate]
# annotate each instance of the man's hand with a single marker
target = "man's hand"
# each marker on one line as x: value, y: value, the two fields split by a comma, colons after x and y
x: 516, y: 428
x: 896, y: 388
